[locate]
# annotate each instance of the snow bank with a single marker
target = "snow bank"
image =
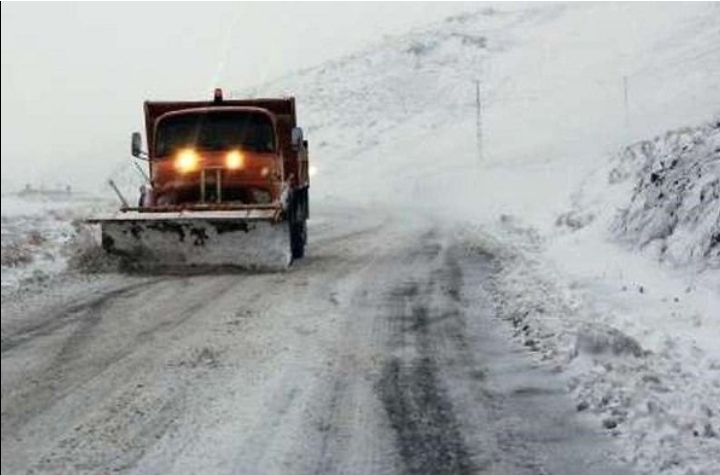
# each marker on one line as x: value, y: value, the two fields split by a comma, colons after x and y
x: 42, y: 234
x: 635, y: 332
x: 675, y: 206
x: 638, y: 348
x: 633, y: 326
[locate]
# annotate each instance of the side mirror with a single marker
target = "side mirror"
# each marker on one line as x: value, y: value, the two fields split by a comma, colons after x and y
x: 136, y: 145
x: 296, y: 138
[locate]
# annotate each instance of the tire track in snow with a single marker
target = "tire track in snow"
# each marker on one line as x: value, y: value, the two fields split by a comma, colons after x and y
x: 377, y: 354
x: 68, y: 315
x: 74, y: 365
x: 427, y: 432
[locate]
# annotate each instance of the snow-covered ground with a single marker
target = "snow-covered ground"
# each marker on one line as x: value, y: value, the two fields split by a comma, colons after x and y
x: 595, y: 188
x: 41, y: 231
x: 597, y: 178
x: 636, y: 264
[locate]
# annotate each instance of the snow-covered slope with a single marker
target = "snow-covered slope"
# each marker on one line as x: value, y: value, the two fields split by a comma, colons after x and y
x: 397, y: 122
x: 564, y: 90
x: 660, y: 196
x: 675, y: 205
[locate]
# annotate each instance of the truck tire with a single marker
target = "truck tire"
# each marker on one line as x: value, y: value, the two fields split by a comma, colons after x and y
x: 298, y: 226
x: 298, y: 238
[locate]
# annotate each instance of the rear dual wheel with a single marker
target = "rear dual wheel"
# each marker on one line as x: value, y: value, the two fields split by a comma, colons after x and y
x: 298, y: 226
x: 298, y: 238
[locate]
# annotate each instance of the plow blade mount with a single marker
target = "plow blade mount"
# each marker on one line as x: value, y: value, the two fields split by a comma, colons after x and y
x: 198, y: 239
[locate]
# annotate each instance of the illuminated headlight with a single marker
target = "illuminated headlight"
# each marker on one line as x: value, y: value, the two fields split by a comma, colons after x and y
x: 234, y: 160
x: 187, y: 160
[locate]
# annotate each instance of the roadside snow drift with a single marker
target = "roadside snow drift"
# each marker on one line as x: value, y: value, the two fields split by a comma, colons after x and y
x: 675, y: 206
x: 41, y: 232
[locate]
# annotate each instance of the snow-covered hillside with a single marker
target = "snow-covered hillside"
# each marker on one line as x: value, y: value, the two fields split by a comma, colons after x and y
x: 399, y: 119
x: 566, y: 90
x: 659, y: 196
x: 675, y: 207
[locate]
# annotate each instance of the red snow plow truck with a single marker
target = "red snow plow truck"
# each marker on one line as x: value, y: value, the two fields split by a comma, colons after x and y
x: 227, y: 186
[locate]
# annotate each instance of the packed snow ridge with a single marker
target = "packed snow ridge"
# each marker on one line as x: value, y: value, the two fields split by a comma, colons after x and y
x: 675, y: 206
x: 659, y: 196
x: 622, y: 296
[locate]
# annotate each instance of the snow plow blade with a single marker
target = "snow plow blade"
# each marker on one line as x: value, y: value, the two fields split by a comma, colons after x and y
x: 177, y: 240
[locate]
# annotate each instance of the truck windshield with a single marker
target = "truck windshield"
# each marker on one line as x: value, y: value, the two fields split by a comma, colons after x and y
x: 215, y: 131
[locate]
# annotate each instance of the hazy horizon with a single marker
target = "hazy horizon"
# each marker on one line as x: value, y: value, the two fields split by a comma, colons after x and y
x: 74, y: 75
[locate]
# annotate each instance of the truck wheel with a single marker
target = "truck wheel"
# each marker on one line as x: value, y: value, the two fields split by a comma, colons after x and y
x: 298, y: 238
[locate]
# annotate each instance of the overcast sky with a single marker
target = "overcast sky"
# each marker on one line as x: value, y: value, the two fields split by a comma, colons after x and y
x: 74, y: 75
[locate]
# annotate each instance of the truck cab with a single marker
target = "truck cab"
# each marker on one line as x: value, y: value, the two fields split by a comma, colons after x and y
x: 241, y: 152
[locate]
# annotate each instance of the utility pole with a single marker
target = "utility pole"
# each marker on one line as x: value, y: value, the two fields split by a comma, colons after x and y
x: 478, y: 106
x: 626, y: 103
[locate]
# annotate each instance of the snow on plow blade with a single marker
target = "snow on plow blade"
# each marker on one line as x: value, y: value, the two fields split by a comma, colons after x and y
x: 246, y: 239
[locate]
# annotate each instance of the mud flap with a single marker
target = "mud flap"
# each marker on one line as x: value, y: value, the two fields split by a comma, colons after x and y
x: 199, y: 242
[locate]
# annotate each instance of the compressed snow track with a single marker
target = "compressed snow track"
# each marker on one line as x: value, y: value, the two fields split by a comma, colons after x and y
x: 379, y: 353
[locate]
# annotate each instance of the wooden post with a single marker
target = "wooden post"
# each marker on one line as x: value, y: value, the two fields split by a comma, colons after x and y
x: 626, y: 103
x: 478, y: 106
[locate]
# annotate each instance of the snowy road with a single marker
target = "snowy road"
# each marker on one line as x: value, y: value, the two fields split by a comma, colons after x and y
x: 379, y: 353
